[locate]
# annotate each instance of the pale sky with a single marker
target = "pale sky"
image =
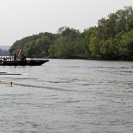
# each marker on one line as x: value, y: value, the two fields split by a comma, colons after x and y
x: 21, y: 18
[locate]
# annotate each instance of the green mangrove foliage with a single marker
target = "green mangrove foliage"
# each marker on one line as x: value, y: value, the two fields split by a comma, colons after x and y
x: 112, y: 38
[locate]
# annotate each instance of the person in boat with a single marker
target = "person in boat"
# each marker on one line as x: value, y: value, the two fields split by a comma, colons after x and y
x: 4, y: 59
x: 15, y: 57
x: 23, y: 57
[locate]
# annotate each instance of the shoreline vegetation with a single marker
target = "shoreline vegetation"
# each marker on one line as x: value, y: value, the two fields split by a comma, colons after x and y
x: 111, y: 39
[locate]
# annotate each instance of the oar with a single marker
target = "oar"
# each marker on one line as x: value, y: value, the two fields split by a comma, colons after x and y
x: 10, y: 74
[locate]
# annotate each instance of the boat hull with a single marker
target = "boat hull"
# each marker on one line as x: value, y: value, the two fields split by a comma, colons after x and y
x: 23, y: 62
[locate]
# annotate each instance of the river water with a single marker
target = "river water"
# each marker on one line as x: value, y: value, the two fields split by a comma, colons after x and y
x: 68, y: 96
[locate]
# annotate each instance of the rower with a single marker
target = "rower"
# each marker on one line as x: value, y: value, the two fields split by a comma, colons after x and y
x: 14, y: 56
x: 23, y: 57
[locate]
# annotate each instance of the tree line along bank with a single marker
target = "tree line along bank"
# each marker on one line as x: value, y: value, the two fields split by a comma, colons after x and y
x: 111, y: 39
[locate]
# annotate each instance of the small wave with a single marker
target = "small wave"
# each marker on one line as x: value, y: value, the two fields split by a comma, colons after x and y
x: 102, y: 67
x: 50, y: 88
x: 39, y: 86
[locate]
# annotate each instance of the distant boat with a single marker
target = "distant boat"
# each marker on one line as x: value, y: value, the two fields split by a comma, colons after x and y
x: 22, y: 62
x: 18, y: 60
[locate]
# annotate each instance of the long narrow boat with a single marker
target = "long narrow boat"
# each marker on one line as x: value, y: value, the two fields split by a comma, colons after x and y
x: 22, y: 62
x: 2, y: 80
x: 5, y: 81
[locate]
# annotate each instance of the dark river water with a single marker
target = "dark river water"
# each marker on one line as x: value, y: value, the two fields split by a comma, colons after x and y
x: 68, y: 96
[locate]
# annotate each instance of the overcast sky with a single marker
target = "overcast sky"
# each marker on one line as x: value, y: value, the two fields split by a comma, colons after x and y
x: 21, y: 18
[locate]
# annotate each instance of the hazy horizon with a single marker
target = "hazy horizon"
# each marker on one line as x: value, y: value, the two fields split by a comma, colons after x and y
x: 21, y: 18
x: 5, y: 47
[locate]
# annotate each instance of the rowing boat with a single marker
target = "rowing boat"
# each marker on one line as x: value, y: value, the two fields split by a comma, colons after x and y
x: 5, y: 81
x: 10, y: 74
x: 22, y: 62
